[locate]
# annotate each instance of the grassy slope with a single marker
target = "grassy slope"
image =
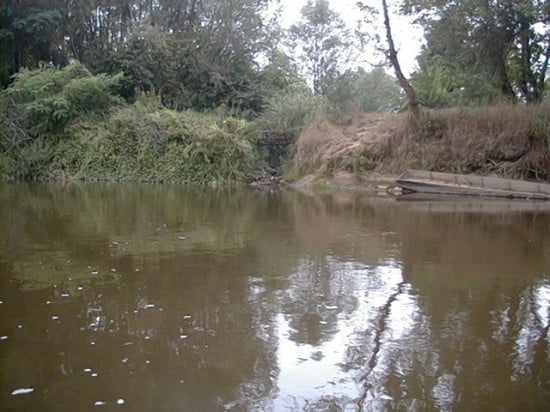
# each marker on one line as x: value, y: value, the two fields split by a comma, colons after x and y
x: 510, y: 141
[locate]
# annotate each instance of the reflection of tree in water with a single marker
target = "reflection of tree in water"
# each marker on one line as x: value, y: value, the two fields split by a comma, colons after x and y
x: 377, y: 340
x: 179, y: 318
x: 471, y: 340
x: 395, y: 342
x: 444, y: 310
x: 523, y: 322
x: 85, y: 220
x: 318, y: 292
x: 414, y: 361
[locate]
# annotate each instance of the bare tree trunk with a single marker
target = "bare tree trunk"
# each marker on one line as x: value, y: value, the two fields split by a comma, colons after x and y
x: 412, y: 97
x: 542, y: 77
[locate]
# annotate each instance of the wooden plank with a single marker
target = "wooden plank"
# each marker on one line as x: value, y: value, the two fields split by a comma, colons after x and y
x: 471, y: 185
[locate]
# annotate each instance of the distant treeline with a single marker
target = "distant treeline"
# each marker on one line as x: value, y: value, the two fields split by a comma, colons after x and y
x: 207, y: 53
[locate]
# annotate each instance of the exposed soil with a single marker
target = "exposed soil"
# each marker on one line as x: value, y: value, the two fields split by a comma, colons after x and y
x: 370, y: 182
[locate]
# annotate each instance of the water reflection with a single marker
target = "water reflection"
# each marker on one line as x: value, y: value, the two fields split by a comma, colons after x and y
x: 171, y: 298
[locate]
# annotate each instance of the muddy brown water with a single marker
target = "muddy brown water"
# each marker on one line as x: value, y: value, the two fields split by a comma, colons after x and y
x: 166, y: 298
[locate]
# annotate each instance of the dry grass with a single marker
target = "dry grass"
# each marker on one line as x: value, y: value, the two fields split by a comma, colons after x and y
x: 318, y: 146
x: 324, y: 146
x: 510, y: 140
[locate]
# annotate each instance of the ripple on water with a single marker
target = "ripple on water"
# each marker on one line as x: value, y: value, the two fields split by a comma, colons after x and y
x: 22, y: 391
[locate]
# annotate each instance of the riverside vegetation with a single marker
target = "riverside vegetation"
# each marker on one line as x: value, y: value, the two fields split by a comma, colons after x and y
x: 67, y: 123
x: 60, y: 124
x: 504, y: 140
x: 171, y: 92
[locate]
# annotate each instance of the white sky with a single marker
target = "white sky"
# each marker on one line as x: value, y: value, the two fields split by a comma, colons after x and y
x: 408, y: 37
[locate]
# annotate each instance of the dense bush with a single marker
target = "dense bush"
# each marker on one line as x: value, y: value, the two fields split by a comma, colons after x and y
x: 47, y: 99
x: 38, y: 107
x: 440, y: 85
x: 286, y: 114
x: 149, y: 142
x: 69, y: 124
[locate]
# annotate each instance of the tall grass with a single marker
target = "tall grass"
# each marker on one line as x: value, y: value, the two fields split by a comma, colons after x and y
x: 506, y: 140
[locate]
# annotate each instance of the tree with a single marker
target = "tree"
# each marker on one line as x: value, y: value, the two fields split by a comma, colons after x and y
x: 440, y: 84
x: 322, y: 41
x: 412, y: 97
x: 29, y: 34
x: 390, y: 53
x: 217, y: 59
x: 281, y: 74
x: 196, y: 53
x: 359, y: 90
x: 506, y: 41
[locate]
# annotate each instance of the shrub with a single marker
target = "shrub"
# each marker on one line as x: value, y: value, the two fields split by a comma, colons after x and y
x: 287, y: 114
x: 37, y: 109
x: 68, y: 124
x: 47, y: 99
x: 157, y: 144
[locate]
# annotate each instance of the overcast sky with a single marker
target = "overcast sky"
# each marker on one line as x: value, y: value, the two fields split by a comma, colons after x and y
x: 408, y: 37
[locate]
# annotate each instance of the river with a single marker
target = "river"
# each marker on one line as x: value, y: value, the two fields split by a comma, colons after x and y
x: 170, y: 298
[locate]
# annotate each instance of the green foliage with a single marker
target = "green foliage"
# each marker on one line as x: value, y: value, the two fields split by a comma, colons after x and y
x: 361, y: 91
x: 47, y: 99
x: 323, y: 40
x: 286, y: 114
x: 146, y: 60
x: 67, y: 124
x: 29, y: 34
x: 195, y: 54
x: 281, y: 74
x: 169, y: 65
x: 499, y: 43
x: 440, y: 84
x: 37, y: 110
x: 157, y: 144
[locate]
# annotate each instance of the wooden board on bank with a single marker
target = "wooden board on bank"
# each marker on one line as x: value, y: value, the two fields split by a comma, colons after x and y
x: 471, y: 185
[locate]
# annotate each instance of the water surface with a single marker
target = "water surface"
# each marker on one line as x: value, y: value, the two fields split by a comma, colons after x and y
x: 169, y: 298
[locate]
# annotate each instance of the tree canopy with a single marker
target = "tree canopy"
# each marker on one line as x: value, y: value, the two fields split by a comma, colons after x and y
x: 323, y: 42
x: 197, y: 53
x: 207, y: 54
x: 506, y: 43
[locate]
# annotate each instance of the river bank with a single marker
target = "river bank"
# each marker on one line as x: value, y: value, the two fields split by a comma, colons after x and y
x: 342, y: 180
x: 69, y: 125
x: 510, y: 141
x: 78, y: 129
